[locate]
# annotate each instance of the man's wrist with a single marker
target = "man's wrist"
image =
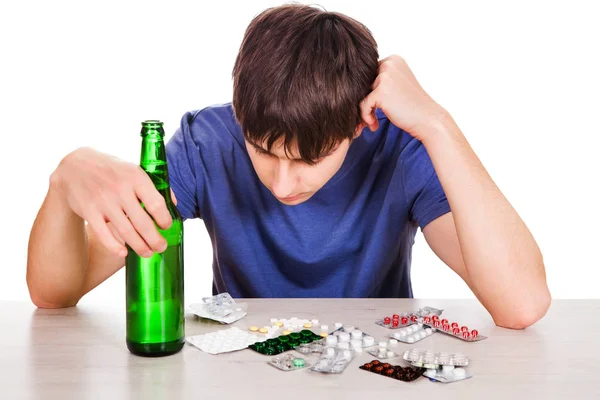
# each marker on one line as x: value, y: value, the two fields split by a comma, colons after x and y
x: 439, y: 126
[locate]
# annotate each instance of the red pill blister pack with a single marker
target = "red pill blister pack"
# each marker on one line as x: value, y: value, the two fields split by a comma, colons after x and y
x: 453, y: 329
x: 396, y: 321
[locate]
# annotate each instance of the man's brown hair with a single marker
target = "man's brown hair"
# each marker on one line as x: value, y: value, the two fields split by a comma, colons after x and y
x: 300, y: 75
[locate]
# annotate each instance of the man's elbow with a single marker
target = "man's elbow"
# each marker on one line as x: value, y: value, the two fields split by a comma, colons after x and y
x: 43, y: 301
x: 528, y: 314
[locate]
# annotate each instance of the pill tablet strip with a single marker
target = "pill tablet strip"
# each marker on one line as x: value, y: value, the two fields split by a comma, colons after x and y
x: 430, y: 359
x: 284, y: 343
x: 447, y: 374
x: 401, y: 320
x: 356, y: 338
x: 453, y: 329
x: 413, y: 333
x: 404, y: 374
x: 333, y: 360
x: 382, y: 353
x: 289, y: 362
x: 223, y: 341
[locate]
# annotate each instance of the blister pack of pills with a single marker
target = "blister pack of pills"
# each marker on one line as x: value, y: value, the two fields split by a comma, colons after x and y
x: 382, y: 351
x: 412, y: 333
x: 289, y: 362
x: 405, y: 374
x: 311, y: 348
x: 284, y: 343
x: 221, y: 308
x: 356, y: 339
x: 447, y: 374
x: 223, y: 341
x: 400, y: 320
x: 333, y: 360
x: 285, y: 326
x: 430, y: 359
x: 453, y: 329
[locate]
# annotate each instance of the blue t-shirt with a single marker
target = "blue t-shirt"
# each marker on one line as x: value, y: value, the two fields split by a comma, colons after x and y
x: 353, y: 238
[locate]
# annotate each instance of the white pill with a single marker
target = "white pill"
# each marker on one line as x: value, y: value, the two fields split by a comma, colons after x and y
x: 422, y: 334
x: 428, y: 331
x: 314, y: 321
x: 330, y: 351
x: 420, y: 325
x: 356, y: 334
x: 343, y: 345
x: 338, y: 325
x: 410, y: 339
x: 347, y: 354
x: 324, y: 328
x: 358, y: 349
x: 368, y: 341
x: 344, y: 337
x: 393, y: 341
x: 460, y: 372
x: 382, y: 345
x: 331, y: 340
x: 273, y: 320
x: 390, y: 354
x: 348, y: 328
x: 356, y: 343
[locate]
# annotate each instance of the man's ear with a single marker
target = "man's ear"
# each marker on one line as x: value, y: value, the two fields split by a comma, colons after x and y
x: 359, y: 129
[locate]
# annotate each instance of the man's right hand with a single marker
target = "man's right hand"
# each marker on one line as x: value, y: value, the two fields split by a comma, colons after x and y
x: 105, y: 192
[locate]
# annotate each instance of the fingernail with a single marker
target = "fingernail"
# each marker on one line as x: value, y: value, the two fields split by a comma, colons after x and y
x: 123, y: 253
x: 147, y: 254
x: 163, y: 247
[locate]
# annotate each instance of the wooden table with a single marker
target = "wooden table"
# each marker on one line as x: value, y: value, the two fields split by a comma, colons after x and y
x: 80, y: 353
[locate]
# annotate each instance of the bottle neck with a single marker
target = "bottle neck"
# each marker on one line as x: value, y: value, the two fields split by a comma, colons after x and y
x: 153, y: 160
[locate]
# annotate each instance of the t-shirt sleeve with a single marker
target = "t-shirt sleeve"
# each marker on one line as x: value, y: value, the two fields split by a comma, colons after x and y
x: 182, y: 157
x: 423, y: 188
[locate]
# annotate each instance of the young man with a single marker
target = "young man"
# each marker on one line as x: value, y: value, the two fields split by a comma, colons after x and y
x: 312, y: 183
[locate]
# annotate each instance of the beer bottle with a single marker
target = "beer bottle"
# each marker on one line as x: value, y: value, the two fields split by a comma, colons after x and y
x: 154, y: 286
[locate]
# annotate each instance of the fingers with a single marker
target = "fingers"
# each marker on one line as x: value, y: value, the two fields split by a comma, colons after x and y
x: 143, y: 224
x: 367, y: 111
x: 126, y: 230
x: 105, y: 236
x: 153, y: 201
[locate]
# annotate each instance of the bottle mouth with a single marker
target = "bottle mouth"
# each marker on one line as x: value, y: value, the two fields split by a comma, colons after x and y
x: 152, y: 124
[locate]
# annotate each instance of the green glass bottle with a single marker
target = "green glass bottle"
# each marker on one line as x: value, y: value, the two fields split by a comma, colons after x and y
x: 154, y: 286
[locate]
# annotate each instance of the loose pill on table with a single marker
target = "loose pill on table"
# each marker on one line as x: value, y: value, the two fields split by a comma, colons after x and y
x: 253, y: 329
x: 263, y: 330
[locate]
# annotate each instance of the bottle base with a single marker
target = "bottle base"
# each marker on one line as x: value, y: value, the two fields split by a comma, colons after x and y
x: 155, y: 349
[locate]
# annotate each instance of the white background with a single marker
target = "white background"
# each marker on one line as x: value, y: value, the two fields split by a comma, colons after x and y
x: 520, y: 78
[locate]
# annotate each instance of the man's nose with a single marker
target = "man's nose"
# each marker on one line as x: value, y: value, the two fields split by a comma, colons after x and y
x: 283, y: 181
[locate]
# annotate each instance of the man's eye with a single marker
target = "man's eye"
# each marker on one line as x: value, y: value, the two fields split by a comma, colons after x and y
x: 263, y: 153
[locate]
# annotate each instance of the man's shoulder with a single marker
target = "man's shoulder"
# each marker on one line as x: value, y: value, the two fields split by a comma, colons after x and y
x: 214, y: 123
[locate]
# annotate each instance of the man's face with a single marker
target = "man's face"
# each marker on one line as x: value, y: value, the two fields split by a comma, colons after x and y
x: 291, y: 180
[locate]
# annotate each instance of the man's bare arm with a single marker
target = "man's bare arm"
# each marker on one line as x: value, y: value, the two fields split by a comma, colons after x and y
x: 499, y: 258
x: 68, y: 257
